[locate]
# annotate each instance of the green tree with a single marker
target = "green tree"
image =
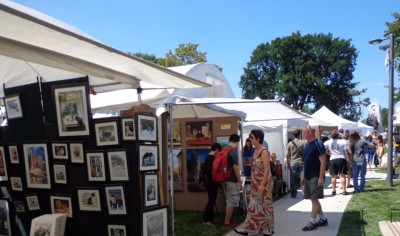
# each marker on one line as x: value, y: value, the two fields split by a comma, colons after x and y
x: 308, y: 71
x: 384, y: 117
x: 185, y: 54
x: 146, y: 56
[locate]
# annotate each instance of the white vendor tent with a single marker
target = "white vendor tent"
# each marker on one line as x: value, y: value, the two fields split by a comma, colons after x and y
x: 327, y: 115
x: 365, y: 129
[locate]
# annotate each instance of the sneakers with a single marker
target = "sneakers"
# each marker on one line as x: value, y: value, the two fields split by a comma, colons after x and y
x: 322, y: 222
x: 310, y: 226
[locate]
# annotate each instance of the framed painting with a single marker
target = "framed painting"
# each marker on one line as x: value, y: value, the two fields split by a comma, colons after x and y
x: 19, y: 207
x: 199, y: 133
x: 115, y: 200
x: 89, y: 199
x: 223, y: 140
x: 5, y: 217
x: 150, y: 189
x: 16, y: 184
x: 76, y: 150
x: 3, y: 165
x: 95, y: 166
x: 60, y: 173
x: 59, y: 150
x: 128, y: 129
x: 72, y: 110
x: 37, y: 165
x: 148, y: 157
x: 176, y: 172
x: 155, y: 221
x: 13, y: 107
x: 147, y: 128
x: 118, y: 165
x: 116, y: 230
x: 32, y: 202
x: 106, y: 133
x: 176, y: 133
x: 61, y: 204
x: 195, y: 159
x: 13, y: 152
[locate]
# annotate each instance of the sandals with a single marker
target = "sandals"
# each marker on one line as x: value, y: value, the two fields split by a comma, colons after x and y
x: 333, y: 193
x: 345, y: 193
x: 310, y: 226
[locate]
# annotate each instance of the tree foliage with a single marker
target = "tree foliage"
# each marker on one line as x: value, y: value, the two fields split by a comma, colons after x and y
x: 185, y: 54
x: 308, y: 71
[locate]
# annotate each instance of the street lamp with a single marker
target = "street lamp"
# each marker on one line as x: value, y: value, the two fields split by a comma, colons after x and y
x: 390, y: 108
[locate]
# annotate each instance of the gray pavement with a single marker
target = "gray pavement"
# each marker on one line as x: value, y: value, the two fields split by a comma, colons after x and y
x: 292, y: 214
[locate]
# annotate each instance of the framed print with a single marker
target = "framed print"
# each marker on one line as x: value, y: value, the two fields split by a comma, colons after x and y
x: 19, y: 207
x: 76, y: 150
x: 59, y: 150
x: 89, y: 199
x: 195, y: 159
x: 177, y: 172
x: 60, y: 173
x: 3, y: 166
x: 5, y: 217
x: 36, y: 165
x: 13, y: 152
x: 176, y: 133
x: 115, y: 200
x: 95, y: 166
x: 32, y: 202
x: 16, y: 183
x: 116, y: 230
x: 13, y: 107
x: 61, y: 204
x: 223, y: 140
x: 148, y: 157
x: 155, y: 222
x: 150, y: 190
x: 106, y: 133
x: 128, y: 129
x: 72, y: 110
x: 147, y: 127
x: 118, y: 166
x: 199, y: 133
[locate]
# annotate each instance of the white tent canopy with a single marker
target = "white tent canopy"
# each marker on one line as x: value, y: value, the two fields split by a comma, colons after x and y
x: 327, y: 115
x: 365, y: 129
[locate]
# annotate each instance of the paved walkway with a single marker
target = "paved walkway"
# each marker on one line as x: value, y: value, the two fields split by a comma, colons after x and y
x: 292, y: 214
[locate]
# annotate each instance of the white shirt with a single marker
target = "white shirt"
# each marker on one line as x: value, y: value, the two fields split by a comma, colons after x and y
x: 337, y: 148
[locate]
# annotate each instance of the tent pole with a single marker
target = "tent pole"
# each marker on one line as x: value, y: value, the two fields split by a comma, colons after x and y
x: 171, y: 169
x: 139, y: 91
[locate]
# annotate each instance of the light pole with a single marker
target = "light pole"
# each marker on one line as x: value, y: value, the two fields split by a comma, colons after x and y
x: 390, y: 109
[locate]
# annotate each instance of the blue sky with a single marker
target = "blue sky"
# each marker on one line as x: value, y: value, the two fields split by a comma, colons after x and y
x: 228, y: 31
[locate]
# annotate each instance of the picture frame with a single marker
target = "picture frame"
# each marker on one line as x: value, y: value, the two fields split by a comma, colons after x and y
x: 106, y: 133
x: 19, y: 207
x: 155, y: 221
x: 89, y: 199
x: 146, y: 127
x: 32, y: 201
x: 176, y: 133
x: 116, y: 204
x: 116, y: 229
x: 95, y: 166
x: 223, y: 140
x: 118, y: 165
x: 177, y: 171
x: 148, y: 157
x: 13, y: 153
x: 16, y: 184
x: 76, y: 151
x: 3, y: 165
x: 128, y: 129
x: 61, y: 204
x: 60, y: 173
x: 150, y: 189
x: 60, y: 150
x: 5, y: 213
x: 199, y: 133
x: 13, y: 107
x: 72, y: 112
x: 37, y: 165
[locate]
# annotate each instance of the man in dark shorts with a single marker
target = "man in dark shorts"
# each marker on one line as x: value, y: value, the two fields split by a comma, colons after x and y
x: 313, y: 178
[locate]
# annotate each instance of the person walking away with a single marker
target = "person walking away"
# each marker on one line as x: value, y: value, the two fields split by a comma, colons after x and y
x: 371, y: 151
x: 294, y: 160
x: 313, y: 177
x: 247, y: 152
x: 260, y: 211
x: 357, y: 147
x: 211, y: 186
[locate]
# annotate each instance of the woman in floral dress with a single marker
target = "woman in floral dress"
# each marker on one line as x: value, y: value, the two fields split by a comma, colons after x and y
x: 260, y: 211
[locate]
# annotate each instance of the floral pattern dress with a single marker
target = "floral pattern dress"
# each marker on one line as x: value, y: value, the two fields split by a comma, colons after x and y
x: 260, y: 211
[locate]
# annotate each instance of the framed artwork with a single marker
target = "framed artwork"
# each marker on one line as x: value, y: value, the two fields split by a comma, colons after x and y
x: 95, y: 166
x: 3, y: 166
x: 13, y: 107
x: 177, y: 172
x: 223, y: 140
x: 32, y: 202
x: 115, y: 200
x: 19, y: 207
x: 61, y: 204
x: 5, y: 217
x: 147, y: 127
x: 13, y: 151
x: 128, y: 129
x: 36, y: 165
x: 199, y: 133
x: 89, y: 199
x: 106, y: 133
x: 76, y: 150
x: 176, y: 133
x: 195, y: 159
x: 116, y: 230
x: 60, y: 173
x: 148, y: 157
x: 59, y: 150
x: 118, y: 166
x: 155, y: 221
x: 150, y: 189
x: 16, y: 184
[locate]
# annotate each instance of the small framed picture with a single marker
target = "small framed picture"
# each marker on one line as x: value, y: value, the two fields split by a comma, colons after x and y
x: 150, y: 189
x: 128, y: 129
x: 95, y: 166
x: 115, y: 200
x: 89, y: 199
x: 5, y: 217
x: 60, y: 173
x: 3, y: 166
x: 116, y: 229
x: 19, y: 207
x: 148, y: 157
x: 59, y: 150
x: 147, y: 127
x: 117, y: 163
x: 13, y: 152
x: 199, y: 133
x: 32, y: 202
x: 106, y: 133
x: 37, y: 165
x: 61, y: 204
x: 155, y: 221
x: 16, y: 184
x: 223, y: 140
x: 13, y: 107
x: 76, y: 150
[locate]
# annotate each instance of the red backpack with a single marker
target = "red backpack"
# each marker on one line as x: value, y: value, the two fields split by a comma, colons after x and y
x: 220, y: 170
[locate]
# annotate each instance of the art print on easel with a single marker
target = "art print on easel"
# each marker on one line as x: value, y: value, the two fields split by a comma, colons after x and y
x: 37, y: 165
x: 147, y: 128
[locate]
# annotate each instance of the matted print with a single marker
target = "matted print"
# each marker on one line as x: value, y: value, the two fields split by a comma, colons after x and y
x: 155, y: 222
x: 95, y: 166
x: 106, y: 133
x: 61, y: 204
x: 76, y: 150
x: 148, y: 157
x: 5, y: 228
x: 150, y: 190
x: 116, y: 230
x: 19, y: 207
x: 14, y: 155
x: 128, y: 129
x: 147, y: 127
x: 118, y: 165
x: 32, y: 202
x: 16, y: 183
x: 13, y: 107
x: 89, y: 199
x: 3, y: 166
x: 59, y: 150
x: 60, y: 173
x: 199, y: 133
x: 115, y: 200
x: 37, y: 165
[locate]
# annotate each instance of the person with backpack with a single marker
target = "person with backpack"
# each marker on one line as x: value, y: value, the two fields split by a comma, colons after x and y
x: 294, y: 160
